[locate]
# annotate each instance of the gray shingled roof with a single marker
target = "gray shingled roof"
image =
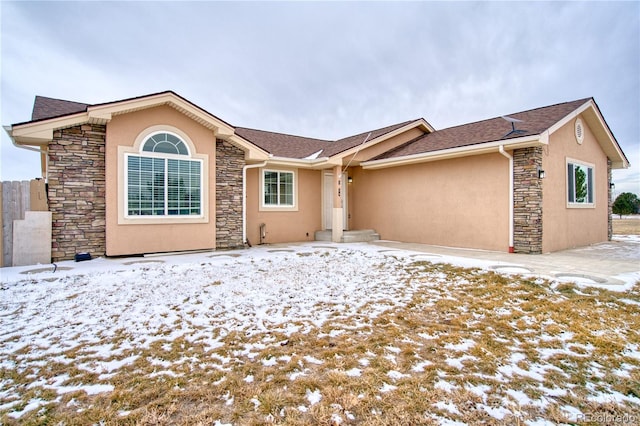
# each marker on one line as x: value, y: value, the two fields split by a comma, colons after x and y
x: 534, y: 122
x: 44, y: 108
x: 344, y: 144
x: 283, y: 145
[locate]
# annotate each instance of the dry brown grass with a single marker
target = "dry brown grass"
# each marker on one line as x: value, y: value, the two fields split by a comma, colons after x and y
x: 403, y: 356
x: 626, y: 226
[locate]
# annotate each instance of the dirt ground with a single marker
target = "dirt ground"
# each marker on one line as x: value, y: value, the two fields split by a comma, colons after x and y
x: 626, y: 226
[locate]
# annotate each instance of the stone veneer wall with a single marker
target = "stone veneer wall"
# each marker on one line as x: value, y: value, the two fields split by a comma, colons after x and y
x: 76, y: 191
x: 527, y: 200
x: 610, y: 209
x: 229, y: 164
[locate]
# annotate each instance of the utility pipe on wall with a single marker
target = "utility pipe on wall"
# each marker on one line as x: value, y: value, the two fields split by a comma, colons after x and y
x: 510, y: 157
x: 244, y: 197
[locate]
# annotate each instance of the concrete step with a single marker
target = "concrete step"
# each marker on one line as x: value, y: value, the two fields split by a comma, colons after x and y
x: 323, y: 235
x: 357, y: 236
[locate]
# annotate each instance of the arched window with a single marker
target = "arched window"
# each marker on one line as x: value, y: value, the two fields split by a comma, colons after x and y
x: 165, y: 143
x: 163, y: 180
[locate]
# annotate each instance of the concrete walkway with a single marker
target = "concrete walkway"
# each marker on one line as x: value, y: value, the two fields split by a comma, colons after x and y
x: 612, y: 263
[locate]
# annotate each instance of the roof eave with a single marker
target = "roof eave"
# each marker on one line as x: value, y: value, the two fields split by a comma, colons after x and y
x: 464, y: 151
x: 318, y: 163
x: 41, y: 132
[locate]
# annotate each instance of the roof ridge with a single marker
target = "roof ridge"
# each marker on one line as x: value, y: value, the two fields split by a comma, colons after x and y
x: 514, y: 113
x: 380, y: 128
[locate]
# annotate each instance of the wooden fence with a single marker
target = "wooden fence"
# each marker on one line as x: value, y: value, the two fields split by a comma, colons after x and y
x: 17, y: 197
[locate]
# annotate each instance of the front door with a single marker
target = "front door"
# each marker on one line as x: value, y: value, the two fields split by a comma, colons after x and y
x: 327, y: 201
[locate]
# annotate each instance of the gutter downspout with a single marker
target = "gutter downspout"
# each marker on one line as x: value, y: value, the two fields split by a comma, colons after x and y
x: 40, y: 151
x: 510, y: 157
x: 244, y: 197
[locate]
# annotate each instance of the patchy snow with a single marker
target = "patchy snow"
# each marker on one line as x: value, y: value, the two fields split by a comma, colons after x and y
x: 354, y: 372
x: 445, y: 386
x: 313, y: 396
x: 269, y: 362
x: 419, y: 367
x: 463, y: 346
x: 447, y: 406
x: 313, y: 360
x: 396, y: 375
x: 32, y: 405
x: 458, y: 362
x: 386, y: 387
x: 74, y: 316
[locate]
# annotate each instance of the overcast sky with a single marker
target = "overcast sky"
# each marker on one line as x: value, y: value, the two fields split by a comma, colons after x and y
x: 327, y: 70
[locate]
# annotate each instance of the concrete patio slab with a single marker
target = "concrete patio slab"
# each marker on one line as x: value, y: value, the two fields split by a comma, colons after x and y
x: 605, y: 263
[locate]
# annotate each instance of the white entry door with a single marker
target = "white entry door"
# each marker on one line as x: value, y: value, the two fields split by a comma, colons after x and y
x: 327, y: 201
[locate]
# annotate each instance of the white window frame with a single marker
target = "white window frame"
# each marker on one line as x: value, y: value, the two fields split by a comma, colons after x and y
x: 166, y: 157
x: 591, y: 185
x: 279, y: 207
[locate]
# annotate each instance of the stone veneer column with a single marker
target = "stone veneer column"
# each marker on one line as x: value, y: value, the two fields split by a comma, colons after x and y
x: 610, y: 202
x: 527, y: 200
x: 76, y: 191
x: 229, y: 164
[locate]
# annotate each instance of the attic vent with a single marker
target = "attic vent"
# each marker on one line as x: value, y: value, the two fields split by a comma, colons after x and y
x: 579, y: 131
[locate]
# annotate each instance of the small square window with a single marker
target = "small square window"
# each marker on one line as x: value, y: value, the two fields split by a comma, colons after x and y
x: 580, y: 184
x: 278, y: 188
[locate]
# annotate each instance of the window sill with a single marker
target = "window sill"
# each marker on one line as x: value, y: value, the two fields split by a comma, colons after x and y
x: 161, y: 220
x: 581, y: 205
x: 264, y: 208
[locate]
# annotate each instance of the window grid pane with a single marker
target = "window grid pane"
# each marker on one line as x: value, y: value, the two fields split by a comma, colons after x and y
x: 278, y: 188
x: 146, y: 187
x: 165, y: 143
x: 183, y: 187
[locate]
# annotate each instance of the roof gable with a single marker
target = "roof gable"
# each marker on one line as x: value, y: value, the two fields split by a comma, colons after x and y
x: 52, y: 114
x: 534, y: 122
x: 347, y: 143
x: 299, y: 147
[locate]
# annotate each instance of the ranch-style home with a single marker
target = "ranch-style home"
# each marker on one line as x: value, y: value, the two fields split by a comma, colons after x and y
x: 158, y: 173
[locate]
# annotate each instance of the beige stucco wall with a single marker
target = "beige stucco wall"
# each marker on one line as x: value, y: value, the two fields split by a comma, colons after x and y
x: 460, y: 202
x: 565, y: 227
x: 286, y: 226
x: 134, y: 238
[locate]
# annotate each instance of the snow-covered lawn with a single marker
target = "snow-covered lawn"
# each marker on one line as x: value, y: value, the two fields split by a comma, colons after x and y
x: 313, y: 334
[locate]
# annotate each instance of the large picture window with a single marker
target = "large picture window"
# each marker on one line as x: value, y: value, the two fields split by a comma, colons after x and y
x: 580, y: 184
x: 163, y: 180
x: 278, y: 188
